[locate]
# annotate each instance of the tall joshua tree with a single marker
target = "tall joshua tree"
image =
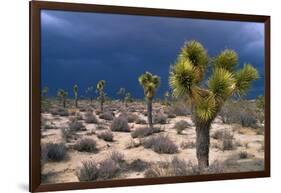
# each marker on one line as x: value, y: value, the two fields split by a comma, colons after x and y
x: 149, y: 83
x: 62, y: 95
x: 75, y: 91
x: 122, y: 94
x: 186, y: 76
x: 100, y: 90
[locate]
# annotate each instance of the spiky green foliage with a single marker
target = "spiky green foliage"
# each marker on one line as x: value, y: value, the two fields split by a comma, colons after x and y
x: 149, y: 83
x: 227, y: 59
x: 102, y: 95
x: 221, y: 83
x: 75, y: 91
x: 244, y: 77
x: 62, y: 94
x: 185, y: 80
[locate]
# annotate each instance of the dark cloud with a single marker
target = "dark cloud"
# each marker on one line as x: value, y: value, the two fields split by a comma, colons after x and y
x: 83, y: 48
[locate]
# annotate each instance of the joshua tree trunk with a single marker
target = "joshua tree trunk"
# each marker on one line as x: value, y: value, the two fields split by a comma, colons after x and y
x: 101, y: 106
x: 149, y: 112
x: 64, y: 103
x: 203, y: 143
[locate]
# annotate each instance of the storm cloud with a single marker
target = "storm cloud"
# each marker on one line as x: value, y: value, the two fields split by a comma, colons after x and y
x: 82, y: 48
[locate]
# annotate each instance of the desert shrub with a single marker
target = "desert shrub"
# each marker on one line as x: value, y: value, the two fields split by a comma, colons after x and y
x: 228, y: 141
x: 88, y: 172
x: 129, y: 116
x: 140, y: 121
x: 176, y: 167
x: 218, y: 134
x: 108, y: 169
x: 171, y: 115
x: 132, y: 109
x: 54, y: 152
x: 179, y: 109
x: 159, y: 118
x: 158, y: 170
x: 106, y: 116
x: 188, y: 144
x: 59, y: 111
x: 120, y: 124
x: 132, y: 144
x: 160, y: 144
x: 67, y: 134
x: 106, y: 135
x: 241, y: 112
x: 248, y: 118
x: 101, y: 127
x: 48, y: 125
x: 90, y: 117
x: 75, y: 125
x: 180, y: 126
x: 215, y: 168
x: 243, y: 155
x: 117, y: 157
x: 138, y: 165
x: 142, y: 132
x: 86, y: 145
x: 78, y: 116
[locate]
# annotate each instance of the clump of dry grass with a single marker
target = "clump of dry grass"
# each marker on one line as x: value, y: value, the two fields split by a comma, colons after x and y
x: 142, y: 132
x: 53, y: 152
x: 106, y: 116
x: 86, y: 145
x: 75, y: 125
x: 188, y: 144
x: 180, y: 126
x: 88, y: 172
x: 159, y: 118
x: 120, y: 124
x: 103, y: 170
x: 106, y: 135
x: 90, y: 117
x: 161, y: 144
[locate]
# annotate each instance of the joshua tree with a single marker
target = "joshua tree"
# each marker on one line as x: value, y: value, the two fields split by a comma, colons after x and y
x: 62, y: 95
x: 149, y: 83
x: 75, y: 91
x: 90, y: 92
x: 100, y: 90
x: 128, y: 98
x: 122, y: 94
x: 186, y: 76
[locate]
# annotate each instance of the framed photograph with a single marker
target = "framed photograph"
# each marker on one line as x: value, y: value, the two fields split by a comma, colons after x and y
x: 123, y: 96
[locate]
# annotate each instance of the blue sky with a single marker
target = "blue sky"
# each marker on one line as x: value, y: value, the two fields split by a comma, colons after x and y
x: 82, y: 48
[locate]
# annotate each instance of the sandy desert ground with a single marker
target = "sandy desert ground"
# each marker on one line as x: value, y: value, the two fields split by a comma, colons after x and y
x: 233, y: 148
